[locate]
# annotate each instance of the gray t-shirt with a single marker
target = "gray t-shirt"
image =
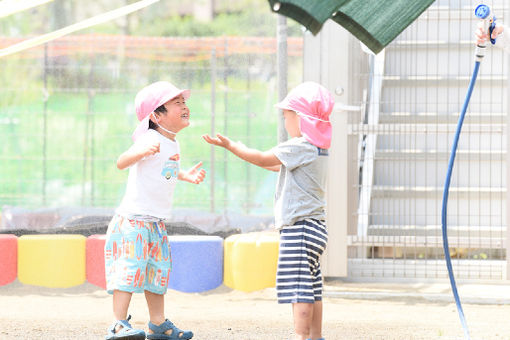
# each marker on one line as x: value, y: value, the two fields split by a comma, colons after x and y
x: 301, y: 186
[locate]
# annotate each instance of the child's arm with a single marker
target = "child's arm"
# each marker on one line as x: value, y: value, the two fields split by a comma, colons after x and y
x: 193, y: 175
x: 264, y: 159
x: 135, y: 153
x: 274, y: 168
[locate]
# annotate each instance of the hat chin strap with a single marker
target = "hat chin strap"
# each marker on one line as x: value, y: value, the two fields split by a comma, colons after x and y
x: 316, y: 118
x: 162, y: 128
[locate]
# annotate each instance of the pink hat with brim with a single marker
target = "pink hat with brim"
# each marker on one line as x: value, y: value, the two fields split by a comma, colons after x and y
x: 313, y: 103
x: 150, y: 98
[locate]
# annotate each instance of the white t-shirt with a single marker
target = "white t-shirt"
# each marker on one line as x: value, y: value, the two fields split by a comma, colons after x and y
x: 152, y: 180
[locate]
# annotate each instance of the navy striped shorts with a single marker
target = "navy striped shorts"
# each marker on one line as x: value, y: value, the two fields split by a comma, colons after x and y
x: 299, y: 278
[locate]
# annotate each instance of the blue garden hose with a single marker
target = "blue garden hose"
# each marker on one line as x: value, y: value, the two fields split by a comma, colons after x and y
x: 481, y: 12
x: 446, y: 248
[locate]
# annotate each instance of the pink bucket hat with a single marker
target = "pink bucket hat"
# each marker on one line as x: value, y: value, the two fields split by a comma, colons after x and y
x: 313, y: 103
x: 150, y: 98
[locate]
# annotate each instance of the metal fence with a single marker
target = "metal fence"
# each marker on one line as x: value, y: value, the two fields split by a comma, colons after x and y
x: 67, y: 112
x: 403, y: 140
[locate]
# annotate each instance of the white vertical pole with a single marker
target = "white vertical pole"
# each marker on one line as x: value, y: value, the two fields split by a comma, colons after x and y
x: 334, y: 261
x: 327, y: 60
x: 507, y: 173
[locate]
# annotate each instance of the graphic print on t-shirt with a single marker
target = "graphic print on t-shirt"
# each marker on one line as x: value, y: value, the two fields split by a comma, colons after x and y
x: 171, y: 167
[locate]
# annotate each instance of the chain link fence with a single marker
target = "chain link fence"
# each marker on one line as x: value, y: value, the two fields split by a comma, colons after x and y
x: 67, y: 112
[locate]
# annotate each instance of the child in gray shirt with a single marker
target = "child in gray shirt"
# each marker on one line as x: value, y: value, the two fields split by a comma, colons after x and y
x: 299, y: 200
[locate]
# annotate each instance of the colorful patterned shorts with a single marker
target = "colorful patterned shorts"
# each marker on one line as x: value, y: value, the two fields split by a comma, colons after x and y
x: 137, y: 256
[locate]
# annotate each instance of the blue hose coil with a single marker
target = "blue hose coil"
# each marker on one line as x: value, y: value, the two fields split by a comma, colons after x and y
x: 445, y: 201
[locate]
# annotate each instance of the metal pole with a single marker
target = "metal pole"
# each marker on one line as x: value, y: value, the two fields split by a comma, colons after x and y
x: 90, y: 122
x: 213, y: 132
x: 282, y: 62
x: 225, y: 128
x: 86, y: 133
x: 248, y: 135
x: 45, y: 125
x: 507, y: 246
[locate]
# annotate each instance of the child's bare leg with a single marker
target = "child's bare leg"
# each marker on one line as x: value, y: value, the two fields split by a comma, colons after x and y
x: 303, y: 316
x: 316, y: 331
x: 156, y: 304
x: 121, y: 302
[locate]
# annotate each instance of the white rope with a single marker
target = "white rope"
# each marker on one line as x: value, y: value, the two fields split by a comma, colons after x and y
x: 8, y: 7
x: 99, y: 19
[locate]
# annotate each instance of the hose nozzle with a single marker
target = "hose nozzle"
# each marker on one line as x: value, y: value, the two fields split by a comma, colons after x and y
x: 483, y: 12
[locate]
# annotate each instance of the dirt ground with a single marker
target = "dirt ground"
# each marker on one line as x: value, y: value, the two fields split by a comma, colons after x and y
x: 84, y: 312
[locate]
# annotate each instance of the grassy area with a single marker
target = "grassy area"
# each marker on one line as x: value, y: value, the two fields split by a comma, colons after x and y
x: 63, y: 153
x: 73, y: 163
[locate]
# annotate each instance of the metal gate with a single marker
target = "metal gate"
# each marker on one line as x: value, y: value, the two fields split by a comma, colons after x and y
x: 402, y: 139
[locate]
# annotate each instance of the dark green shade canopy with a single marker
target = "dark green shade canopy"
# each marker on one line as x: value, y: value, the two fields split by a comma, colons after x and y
x: 375, y: 22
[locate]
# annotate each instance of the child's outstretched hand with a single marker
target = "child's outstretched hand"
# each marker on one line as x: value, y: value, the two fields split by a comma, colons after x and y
x: 194, y: 175
x: 135, y: 153
x: 266, y: 159
x: 150, y: 149
x: 220, y: 140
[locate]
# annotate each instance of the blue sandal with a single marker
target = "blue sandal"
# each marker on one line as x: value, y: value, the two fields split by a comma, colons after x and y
x: 126, y: 332
x: 159, y: 332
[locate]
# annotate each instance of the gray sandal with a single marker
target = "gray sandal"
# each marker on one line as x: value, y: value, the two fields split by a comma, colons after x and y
x: 159, y: 332
x: 127, y: 332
